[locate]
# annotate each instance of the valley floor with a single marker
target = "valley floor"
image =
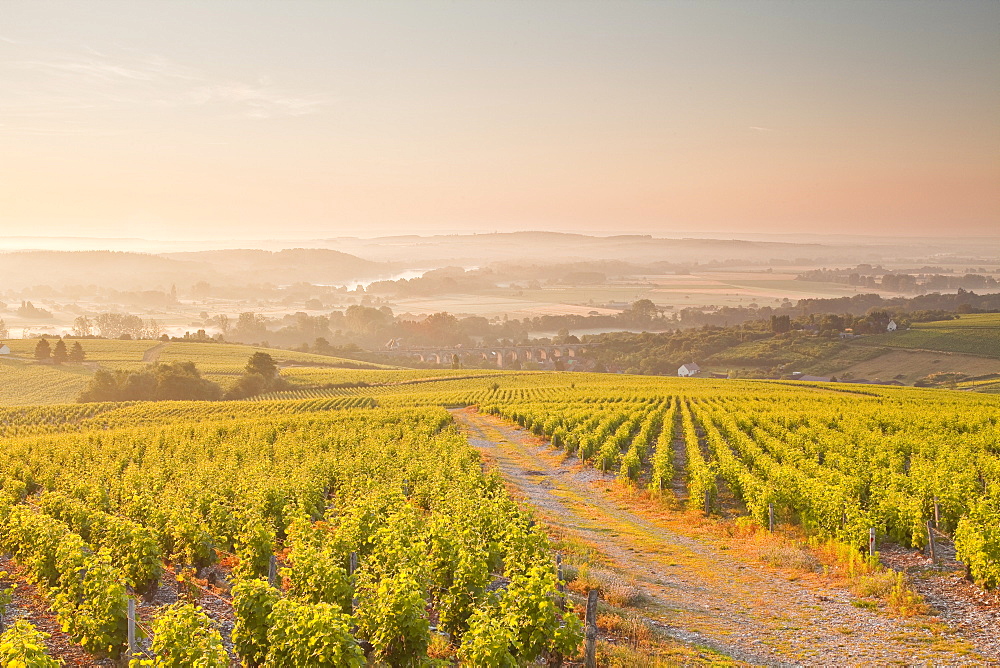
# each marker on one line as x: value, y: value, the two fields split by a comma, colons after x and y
x: 696, y: 589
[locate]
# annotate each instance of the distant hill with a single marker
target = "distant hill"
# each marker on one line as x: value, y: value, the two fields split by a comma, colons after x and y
x: 103, y: 268
x: 137, y: 271
x: 481, y: 249
x: 294, y: 265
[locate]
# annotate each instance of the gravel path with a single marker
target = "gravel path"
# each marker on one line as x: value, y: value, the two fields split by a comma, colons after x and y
x: 152, y: 355
x: 699, y: 592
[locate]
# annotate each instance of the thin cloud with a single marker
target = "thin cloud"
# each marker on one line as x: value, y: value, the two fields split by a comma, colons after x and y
x: 758, y: 128
x: 60, y: 84
x: 256, y: 101
x: 88, y: 68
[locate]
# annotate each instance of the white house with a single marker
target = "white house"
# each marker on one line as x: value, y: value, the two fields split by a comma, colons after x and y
x: 4, y: 350
x: 891, y: 327
x: 688, y: 370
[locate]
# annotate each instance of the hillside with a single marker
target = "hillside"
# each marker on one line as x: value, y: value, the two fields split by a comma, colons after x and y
x: 973, y: 334
x: 143, y: 271
x: 296, y: 265
x: 24, y: 381
x: 703, y: 514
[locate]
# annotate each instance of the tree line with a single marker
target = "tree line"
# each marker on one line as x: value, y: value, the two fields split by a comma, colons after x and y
x: 181, y: 381
x: 59, y: 354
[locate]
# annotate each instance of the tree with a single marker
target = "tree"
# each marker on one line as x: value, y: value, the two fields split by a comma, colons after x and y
x: 83, y: 326
x: 59, y: 354
x: 260, y: 375
x: 42, y: 350
x: 643, y: 310
x: 174, y: 381
x: 3, y: 330
x: 76, y: 353
x: 781, y: 324
x: 262, y: 364
x: 250, y: 327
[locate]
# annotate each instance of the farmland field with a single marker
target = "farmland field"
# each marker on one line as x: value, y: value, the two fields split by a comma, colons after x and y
x: 965, y: 321
x: 223, y: 358
x: 908, y: 366
x: 109, y: 353
x: 24, y: 383
x: 977, y: 334
x: 175, y: 496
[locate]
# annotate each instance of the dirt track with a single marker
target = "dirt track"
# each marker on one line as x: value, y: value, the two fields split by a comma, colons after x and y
x: 699, y: 592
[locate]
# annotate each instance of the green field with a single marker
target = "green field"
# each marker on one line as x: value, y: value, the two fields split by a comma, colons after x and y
x: 964, y: 321
x: 110, y: 353
x: 977, y: 334
x: 24, y: 381
x: 230, y: 358
x: 809, y: 355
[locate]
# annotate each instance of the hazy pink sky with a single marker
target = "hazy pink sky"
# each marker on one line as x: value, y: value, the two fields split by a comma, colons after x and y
x: 208, y: 119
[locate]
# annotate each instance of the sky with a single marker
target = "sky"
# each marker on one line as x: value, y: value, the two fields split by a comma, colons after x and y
x: 294, y: 119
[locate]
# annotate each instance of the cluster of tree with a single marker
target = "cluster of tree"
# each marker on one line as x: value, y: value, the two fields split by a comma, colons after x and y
x: 59, y: 354
x: 200, y: 336
x: 367, y: 327
x: 661, y: 353
x: 180, y: 381
x: 160, y: 382
x: 866, y: 275
x: 664, y: 352
x: 439, y: 281
x: 260, y: 375
x: 116, y: 326
x: 29, y: 310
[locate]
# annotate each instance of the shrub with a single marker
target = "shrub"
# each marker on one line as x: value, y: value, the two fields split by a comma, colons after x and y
x: 184, y: 636
x: 22, y: 645
x: 304, y: 635
x: 253, y: 601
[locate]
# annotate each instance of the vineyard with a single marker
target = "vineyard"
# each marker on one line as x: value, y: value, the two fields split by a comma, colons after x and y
x: 223, y: 358
x: 355, y: 524
x: 389, y: 538
x: 836, y: 463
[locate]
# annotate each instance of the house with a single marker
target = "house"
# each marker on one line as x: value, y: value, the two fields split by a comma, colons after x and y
x: 4, y: 350
x: 688, y: 370
x: 891, y: 327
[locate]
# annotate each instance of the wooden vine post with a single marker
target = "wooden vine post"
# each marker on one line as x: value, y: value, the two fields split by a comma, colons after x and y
x: 272, y: 571
x: 132, y: 646
x: 590, y: 655
x: 770, y: 517
x: 559, y: 581
x: 352, y: 565
x: 931, y: 545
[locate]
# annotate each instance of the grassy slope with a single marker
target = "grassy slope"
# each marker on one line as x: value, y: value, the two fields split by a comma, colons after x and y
x: 896, y: 355
x: 110, y: 353
x: 811, y: 355
x: 24, y: 382
x: 908, y: 366
x: 973, y: 334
